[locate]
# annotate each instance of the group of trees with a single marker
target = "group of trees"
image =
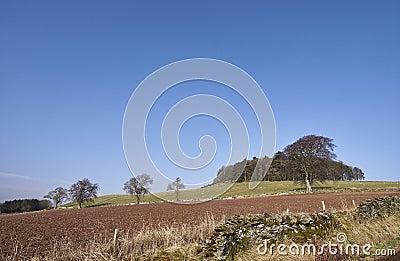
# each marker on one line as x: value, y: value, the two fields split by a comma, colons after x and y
x: 24, y: 205
x: 307, y: 160
x: 84, y: 191
x: 79, y: 192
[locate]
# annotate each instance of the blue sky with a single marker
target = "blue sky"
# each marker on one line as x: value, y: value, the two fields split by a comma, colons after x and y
x: 68, y: 69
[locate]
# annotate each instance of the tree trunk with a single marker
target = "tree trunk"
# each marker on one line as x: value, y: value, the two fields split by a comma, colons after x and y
x: 177, y: 194
x: 308, y: 185
x: 137, y: 199
x: 79, y: 204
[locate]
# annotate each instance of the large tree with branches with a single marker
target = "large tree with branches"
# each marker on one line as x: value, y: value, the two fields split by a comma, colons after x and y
x: 58, y: 195
x: 138, y: 186
x: 308, y: 156
x: 83, y: 191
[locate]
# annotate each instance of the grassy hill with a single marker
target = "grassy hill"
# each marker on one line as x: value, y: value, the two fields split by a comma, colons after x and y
x: 242, y: 190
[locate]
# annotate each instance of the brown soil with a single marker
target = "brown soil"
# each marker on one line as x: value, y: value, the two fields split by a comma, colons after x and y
x: 34, y: 233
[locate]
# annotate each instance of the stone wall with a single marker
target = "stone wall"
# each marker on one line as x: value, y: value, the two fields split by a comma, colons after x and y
x: 241, y: 232
x: 379, y: 207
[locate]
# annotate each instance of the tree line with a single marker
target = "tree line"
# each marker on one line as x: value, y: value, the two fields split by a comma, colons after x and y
x: 80, y: 192
x: 309, y: 159
x: 85, y: 191
x: 24, y: 205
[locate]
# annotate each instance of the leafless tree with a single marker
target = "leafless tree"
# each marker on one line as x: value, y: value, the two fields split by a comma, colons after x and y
x: 58, y: 196
x: 83, y: 191
x: 138, y: 186
x: 176, y: 186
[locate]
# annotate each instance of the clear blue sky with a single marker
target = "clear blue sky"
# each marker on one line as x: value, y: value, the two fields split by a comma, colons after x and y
x: 67, y: 70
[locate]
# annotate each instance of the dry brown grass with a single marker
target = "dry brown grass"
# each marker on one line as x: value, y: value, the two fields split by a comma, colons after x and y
x: 376, y: 230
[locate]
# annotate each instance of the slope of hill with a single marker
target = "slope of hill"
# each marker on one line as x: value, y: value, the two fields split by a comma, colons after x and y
x: 242, y: 190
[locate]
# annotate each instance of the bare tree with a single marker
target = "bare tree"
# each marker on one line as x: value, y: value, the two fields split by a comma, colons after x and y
x: 83, y: 191
x: 308, y: 156
x: 176, y: 186
x: 138, y: 186
x: 58, y: 196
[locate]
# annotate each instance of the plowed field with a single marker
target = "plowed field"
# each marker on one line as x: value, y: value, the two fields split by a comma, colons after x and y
x: 34, y: 233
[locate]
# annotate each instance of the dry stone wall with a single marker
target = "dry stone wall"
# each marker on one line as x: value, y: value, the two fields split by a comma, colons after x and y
x: 241, y: 232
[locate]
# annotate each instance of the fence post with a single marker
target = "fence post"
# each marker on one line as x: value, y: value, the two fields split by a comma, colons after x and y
x: 354, y: 203
x: 115, y: 243
x: 323, y: 205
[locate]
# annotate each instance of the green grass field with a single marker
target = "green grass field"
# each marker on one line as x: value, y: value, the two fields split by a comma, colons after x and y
x: 242, y: 190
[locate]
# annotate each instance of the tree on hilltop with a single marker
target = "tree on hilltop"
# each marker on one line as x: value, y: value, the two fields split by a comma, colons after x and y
x: 308, y: 156
x: 176, y: 186
x: 83, y: 191
x: 138, y: 186
x: 58, y: 196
